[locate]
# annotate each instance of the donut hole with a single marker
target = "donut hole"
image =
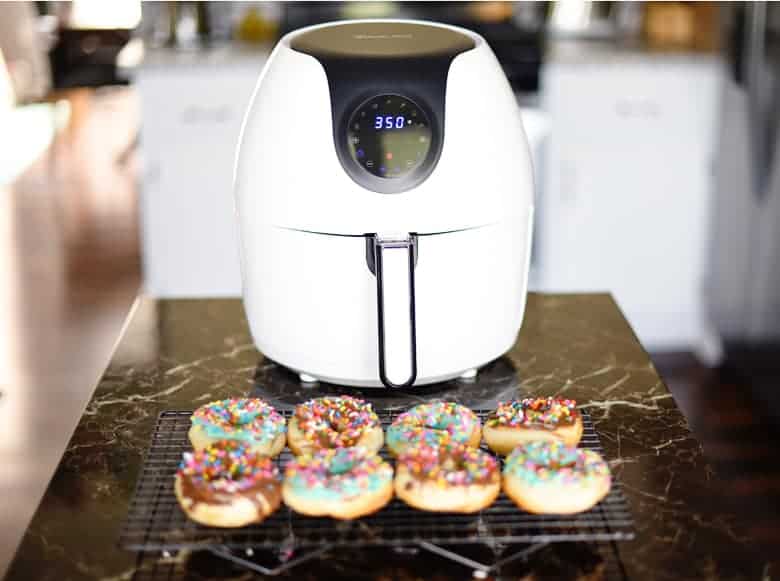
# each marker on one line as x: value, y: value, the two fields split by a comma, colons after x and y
x: 341, y: 464
x: 242, y: 417
x: 335, y: 422
x: 451, y: 464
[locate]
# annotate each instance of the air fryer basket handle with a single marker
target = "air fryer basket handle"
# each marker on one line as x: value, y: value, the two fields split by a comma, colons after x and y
x: 394, y: 260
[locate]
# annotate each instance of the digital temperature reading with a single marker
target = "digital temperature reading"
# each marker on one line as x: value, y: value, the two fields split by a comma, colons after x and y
x: 389, y: 136
x: 390, y: 122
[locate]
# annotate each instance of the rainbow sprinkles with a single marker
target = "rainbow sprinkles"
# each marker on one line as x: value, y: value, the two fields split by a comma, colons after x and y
x: 545, y: 412
x: 541, y: 462
x: 227, y: 467
x: 247, y: 420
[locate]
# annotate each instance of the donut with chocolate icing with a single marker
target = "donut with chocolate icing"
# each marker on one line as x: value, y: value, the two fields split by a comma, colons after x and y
x: 343, y: 483
x: 545, y: 477
x: 248, y: 420
x: 334, y: 422
x: 532, y: 418
x: 227, y: 485
x: 433, y: 424
x: 448, y: 478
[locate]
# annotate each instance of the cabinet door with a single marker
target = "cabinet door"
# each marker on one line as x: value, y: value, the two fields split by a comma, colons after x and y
x: 633, y: 222
x: 191, y: 125
x: 626, y: 202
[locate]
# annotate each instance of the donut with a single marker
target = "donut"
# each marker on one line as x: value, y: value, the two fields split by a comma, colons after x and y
x: 448, y: 478
x: 343, y: 483
x: 433, y: 424
x: 227, y: 484
x: 545, y: 477
x: 533, y: 418
x: 334, y: 422
x: 247, y: 420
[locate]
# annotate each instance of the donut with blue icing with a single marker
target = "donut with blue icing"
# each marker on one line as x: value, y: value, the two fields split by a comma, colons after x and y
x: 550, y: 477
x: 251, y: 421
x: 433, y: 424
x: 342, y: 483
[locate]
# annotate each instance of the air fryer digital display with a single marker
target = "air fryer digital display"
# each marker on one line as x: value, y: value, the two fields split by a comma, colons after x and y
x: 389, y: 136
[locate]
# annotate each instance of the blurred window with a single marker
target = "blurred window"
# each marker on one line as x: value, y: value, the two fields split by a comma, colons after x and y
x: 96, y: 14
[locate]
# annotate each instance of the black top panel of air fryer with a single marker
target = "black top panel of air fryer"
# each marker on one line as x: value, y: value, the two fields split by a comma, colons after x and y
x: 518, y: 43
x: 387, y: 84
x: 382, y: 39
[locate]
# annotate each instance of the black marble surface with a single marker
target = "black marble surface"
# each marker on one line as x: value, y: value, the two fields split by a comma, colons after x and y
x: 179, y: 354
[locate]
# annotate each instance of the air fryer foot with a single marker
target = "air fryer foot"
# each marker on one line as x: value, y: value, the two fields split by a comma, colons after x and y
x: 306, y: 378
x: 469, y: 375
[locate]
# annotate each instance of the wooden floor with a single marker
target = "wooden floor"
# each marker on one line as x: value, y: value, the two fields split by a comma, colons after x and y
x: 71, y: 269
x: 733, y: 411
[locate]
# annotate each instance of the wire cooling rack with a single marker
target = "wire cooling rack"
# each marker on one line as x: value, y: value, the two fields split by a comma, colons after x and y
x: 156, y: 523
x: 554, y: 561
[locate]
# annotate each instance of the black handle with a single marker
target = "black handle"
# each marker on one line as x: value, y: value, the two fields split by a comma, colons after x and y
x: 394, y: 260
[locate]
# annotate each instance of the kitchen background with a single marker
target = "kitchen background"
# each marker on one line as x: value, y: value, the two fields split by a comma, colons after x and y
x: 653, y: 129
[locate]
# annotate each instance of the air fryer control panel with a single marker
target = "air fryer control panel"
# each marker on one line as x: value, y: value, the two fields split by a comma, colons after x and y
x: 389, y: 136
x: 387, y: 84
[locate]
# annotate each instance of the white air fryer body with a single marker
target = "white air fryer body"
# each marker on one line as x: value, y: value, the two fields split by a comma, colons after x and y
x: 362, y: 279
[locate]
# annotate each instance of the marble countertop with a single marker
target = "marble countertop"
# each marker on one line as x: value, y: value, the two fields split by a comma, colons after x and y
x: 178, y: 354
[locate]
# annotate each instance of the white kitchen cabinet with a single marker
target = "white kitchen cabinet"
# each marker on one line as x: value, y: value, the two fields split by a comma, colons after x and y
x: 192, y: 108
x: 628, y: 184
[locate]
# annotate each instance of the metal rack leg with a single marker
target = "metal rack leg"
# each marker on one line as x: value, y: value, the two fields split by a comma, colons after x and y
x: 256, y: 567
x: 481, y: 570
x: 521, y: 554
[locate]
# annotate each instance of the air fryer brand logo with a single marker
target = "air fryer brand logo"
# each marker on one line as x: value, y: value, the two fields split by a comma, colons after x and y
x: 382, y: 36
